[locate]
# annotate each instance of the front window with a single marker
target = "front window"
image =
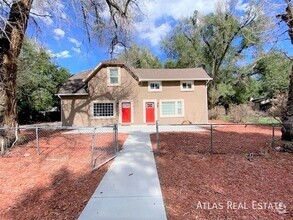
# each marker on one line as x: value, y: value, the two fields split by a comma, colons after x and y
x: 103, y: 109
x: 114, y: 76
x: 187, y: 85
x: 172, y: 108
x: 155, y: 86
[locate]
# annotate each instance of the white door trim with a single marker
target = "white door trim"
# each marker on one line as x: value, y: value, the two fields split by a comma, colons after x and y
x: 144, y: 113
x: 120, y: 111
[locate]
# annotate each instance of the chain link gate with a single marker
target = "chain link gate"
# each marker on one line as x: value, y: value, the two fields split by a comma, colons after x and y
x: 104, y: 146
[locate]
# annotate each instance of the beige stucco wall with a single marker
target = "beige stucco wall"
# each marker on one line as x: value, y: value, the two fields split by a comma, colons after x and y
x: 77, y: 110
x: 195, y: 102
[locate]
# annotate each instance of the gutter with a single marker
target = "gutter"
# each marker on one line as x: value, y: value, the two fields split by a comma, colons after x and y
x: 72, y: 94
x: 187, y: 79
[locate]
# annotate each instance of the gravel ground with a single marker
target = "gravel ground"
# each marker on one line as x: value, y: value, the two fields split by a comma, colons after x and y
x: 54, y: 185
x: 227, y: 184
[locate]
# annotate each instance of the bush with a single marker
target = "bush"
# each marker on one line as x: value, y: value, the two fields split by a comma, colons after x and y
x: 279, y: 105
x: 240, y: 113
x: 216, y: 112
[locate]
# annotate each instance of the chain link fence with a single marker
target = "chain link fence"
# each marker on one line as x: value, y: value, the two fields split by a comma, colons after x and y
x: 93, y: 145
x: 218, y: 138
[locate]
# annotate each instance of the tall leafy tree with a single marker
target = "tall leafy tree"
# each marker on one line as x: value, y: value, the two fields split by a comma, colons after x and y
x: 287, y: 131
x: 38, y: 81
x: 217, y: 41
x: 14, y: 19
x: 140, y: 57
x: 273, y: 71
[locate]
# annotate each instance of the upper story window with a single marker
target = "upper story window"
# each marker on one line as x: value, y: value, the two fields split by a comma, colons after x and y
x: 114, y: 76
x: 155, y: 86
x: 187, y: 85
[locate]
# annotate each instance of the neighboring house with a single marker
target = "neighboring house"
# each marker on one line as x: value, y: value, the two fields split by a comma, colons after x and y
x: 261, y: 104
x: 114, y: 92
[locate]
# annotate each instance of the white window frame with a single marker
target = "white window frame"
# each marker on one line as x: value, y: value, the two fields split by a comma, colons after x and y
x: 119, y: 76
x: 103, y: 101
x: 186, y: 89
x: 176, y: 108
x: 154, y: 90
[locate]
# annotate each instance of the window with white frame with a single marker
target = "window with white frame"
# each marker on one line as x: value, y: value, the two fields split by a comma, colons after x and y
x: 104, y: 109
x: 172, y: 108
x: 187, y: 85
x: 114, y: 76
x: 155, y: 86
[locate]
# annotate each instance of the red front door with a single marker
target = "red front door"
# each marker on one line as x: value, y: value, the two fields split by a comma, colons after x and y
x: 150, y: 112
x: 126, y: 112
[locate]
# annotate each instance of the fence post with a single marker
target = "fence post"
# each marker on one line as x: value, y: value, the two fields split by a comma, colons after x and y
x: 92, y: 150
x: 115, y: 139
x: 211, y: 144
x: 273, y: 138
x: 157, y: 138
x: 37, y: 140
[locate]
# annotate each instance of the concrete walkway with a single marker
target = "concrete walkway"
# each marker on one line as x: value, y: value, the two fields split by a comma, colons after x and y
x: 131, y: 188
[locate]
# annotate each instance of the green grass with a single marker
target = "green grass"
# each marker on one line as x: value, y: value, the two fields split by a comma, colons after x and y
x: 256, y: 120
x: 262, y: 120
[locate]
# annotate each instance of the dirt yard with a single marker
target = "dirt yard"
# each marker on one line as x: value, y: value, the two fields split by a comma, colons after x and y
x: 227, y: 184
x: 55, y: 184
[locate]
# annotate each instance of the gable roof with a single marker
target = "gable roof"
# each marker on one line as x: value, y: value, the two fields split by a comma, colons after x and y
x: 110, y: 63
x: 76, y: 84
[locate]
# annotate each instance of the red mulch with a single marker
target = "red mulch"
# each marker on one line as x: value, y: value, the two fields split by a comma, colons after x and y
x: 200, y: 185
x: 54, y: 185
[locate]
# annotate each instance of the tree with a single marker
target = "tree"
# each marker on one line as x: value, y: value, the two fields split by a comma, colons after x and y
x: 13, y: 25
x: 287, y: 129
x: 140, y: 57
x: 217, y: 41
x: 43, y: 77
x: 273, y: 71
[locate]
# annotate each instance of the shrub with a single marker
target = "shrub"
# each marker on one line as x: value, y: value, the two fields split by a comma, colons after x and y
x: 240, y: 113
x: 279, y: 104
x: 216, y: 112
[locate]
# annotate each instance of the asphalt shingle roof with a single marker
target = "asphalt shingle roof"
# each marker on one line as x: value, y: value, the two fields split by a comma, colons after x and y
x: 76, y: 84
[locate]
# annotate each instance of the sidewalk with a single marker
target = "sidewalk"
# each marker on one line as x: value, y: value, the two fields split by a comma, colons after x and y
x: 131, y: 188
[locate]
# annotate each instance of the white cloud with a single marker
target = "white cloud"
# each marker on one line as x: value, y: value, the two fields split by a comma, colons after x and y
x: 74, y: 41
x: 155, y: 34
x: 164, y: 10
x: 58, y: 33
x: 159, y: 13
x: 76, y: 49
x: 63, y: 54
x: 48, y: 10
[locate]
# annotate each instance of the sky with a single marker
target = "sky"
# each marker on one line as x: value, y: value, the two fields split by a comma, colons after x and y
x: 69, y: 46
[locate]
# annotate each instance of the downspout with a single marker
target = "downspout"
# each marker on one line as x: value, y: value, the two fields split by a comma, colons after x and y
x: 60, y: 108
x: 207, y: 104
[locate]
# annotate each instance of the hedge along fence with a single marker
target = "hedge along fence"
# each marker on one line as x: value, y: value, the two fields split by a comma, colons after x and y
x: 94, y: 145
x: 218, y: 138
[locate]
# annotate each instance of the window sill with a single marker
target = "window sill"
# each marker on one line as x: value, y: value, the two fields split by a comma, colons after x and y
x: 113, y: 85
x: 187, y: 90
x: 172, y: 116
x: 154, y: 90
x: 101, y: 118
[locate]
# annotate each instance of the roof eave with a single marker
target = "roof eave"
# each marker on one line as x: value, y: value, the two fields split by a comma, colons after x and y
x: 90, y: 75
x: 72, y: 94
x: 187, y: 79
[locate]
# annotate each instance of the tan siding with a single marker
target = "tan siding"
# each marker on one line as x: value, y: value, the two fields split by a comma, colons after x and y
x: 77, y: 111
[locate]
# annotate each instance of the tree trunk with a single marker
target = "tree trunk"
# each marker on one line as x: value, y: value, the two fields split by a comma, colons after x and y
x: 287, y: 119
x: 287, y: 129
x: 11, y: 40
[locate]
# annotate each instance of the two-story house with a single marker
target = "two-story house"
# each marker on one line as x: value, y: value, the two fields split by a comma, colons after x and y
x: 114, y: 92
